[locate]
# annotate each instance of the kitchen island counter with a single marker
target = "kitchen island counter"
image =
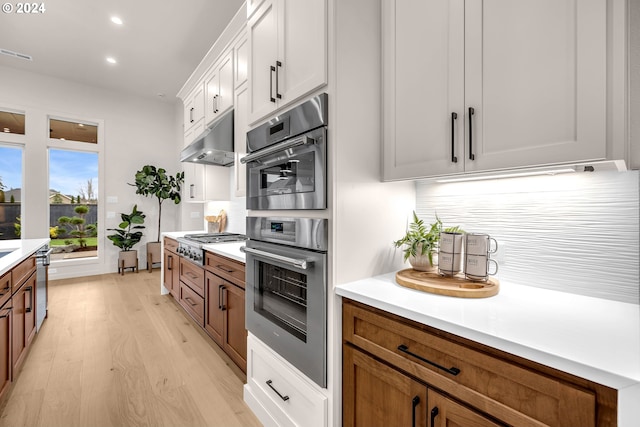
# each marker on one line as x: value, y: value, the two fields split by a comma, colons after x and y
x: 592, y: 338
x: 20, y: 249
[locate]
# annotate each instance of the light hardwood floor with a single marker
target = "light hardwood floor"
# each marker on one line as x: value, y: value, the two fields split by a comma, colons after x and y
x: 114, y: 352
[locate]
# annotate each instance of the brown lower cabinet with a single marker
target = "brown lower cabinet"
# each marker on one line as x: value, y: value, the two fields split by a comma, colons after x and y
x: 6, y: 365
x: 212, y: 295
x: 397, y: 372
x: 24, y: 320
x: 224, y: 317
x: 171, y: 267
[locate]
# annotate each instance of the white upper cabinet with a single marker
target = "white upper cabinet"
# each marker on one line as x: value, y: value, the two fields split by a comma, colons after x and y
x: 497, y: 84
x: 252, y: 6
x: 194, y: 114
x: 203, y: 183
x: 240, y: 60
x: 219, y: 84
x: 288, y: 53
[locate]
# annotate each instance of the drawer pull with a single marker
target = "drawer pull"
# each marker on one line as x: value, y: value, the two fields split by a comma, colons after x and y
x: 434, y: 413
x: 414, y: 404
x: 6, y: 313
x: 190, y: 301
x: 223, y: 268
x: 453, y: 371
x: 285, y: 398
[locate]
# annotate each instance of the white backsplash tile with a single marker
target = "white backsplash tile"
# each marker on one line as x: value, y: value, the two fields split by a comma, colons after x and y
x: 576, y: 233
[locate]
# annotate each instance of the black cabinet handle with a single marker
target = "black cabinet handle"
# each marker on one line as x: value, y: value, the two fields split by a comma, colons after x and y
x: 269, y: 383
x: 453, y: 371
x: 224, y: 268
x: 170, y: 263
x: 471, y: 113
x: 454, y: 116
x: 30, y: 290
x: 221, y: 304
x: 271, y: 83
x: 434, y: 413
x: 278, y: 65
x: 414, y: 404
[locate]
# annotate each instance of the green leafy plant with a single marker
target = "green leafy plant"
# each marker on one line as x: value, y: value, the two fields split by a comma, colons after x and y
x: 155, y: 182
x: 423, y: 240
x: 125, y: 238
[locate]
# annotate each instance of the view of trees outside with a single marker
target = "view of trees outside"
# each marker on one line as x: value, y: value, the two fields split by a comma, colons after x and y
x: 10, y: 189
x: 73, y: 203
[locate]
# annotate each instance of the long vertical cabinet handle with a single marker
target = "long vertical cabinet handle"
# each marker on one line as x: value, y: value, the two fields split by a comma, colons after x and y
x: 191, y: 115
x: 30, y: 290
x: 192, y: 190
x: 221, y: 304
x: 273, y: 69
x: 434, y: 413
x: 170, y: 266
x: 414, y: 404
x: 454, y: 117
x: 278, y: 66
x: 471, y: 113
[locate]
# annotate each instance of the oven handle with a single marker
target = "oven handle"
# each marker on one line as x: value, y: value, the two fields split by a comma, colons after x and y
x: 300, y: 263
x: 285, y: 145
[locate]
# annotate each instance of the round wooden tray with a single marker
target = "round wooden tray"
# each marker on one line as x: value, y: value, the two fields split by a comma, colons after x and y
x: 455, y: 286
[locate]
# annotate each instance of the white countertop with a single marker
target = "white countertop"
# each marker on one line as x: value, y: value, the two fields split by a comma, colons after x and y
x: 592, y: 338
x: 229, y: 250
x: 21, y: 249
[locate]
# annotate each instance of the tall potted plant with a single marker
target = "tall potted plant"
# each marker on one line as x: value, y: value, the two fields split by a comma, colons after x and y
x: 126, y: 236
x: 155, y: 182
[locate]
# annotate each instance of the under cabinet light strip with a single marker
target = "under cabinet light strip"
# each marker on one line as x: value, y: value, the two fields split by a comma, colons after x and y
x: 506, y: 175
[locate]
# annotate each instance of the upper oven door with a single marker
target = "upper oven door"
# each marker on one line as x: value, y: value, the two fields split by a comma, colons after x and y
x: 290, y: 174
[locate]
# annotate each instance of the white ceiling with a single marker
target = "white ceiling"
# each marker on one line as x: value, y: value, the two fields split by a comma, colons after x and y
x: 157, y: 48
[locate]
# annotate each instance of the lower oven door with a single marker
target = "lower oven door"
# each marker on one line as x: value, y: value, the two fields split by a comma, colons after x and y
x: 286, y: 304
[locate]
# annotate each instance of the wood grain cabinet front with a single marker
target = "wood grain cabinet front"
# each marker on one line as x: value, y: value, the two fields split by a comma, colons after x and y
x: 6, y: 365
x: 171, y: 267
x: 500, y: 386
x: 24, y: 321
x: 192, y: 303
x: 192, y: 275
x: 225, y: 312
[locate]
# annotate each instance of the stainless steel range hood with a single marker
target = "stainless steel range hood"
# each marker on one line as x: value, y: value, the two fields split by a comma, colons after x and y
x: 215, y: 146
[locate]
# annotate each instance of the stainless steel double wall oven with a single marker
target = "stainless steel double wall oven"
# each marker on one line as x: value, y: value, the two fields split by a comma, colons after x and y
x: 286, y: 257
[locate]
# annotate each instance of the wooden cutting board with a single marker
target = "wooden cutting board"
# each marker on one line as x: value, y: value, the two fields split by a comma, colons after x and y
x: 455, y: 286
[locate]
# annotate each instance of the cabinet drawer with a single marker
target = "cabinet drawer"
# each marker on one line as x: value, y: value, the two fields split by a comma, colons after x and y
x: 510, y: 392
x: 5, y: 288
x: 192, y: 275
x: 286, y: 396
x: 228, y: 269
x: 22, y: 271
x: 170, y: 245
x: 192, y: 302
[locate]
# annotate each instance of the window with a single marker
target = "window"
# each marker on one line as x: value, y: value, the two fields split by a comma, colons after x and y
x: 12, y: 122
x: 73, y: 131
x: 10, y: 192
x: 73, y: 203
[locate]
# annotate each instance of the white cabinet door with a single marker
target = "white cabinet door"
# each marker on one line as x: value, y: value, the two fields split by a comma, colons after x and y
x: 263, y: 51
x: 288, y: 53
x: 536, y: 78
x: 205, y: 182
x: 497, y: 84
x: 194, y: 114
x: 219, y: 88
x: 302, y: 48
x: 423, y: 88
x: 240, y: 60
x: 241, y: 126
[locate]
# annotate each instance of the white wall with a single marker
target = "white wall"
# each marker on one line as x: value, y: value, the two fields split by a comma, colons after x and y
x: 634, y: 77
x: 137, y: 131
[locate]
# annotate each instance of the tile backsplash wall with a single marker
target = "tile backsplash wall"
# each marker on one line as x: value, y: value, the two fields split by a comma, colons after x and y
x: 575, y: 233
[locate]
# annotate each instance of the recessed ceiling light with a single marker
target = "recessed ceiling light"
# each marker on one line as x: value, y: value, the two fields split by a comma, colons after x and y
x: 111, y: 60
x: 116, y: 20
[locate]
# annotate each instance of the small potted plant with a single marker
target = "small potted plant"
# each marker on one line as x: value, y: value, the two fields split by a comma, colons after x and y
x: 421, y: 243
x: 125, y: 238
x: 155, y: 182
